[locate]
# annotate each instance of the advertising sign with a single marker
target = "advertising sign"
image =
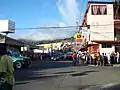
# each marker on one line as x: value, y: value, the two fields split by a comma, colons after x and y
x: 7, y: 26
x: 78, y: 38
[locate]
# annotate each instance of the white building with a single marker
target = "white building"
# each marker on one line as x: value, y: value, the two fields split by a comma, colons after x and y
x: 47, y: 48
x: 101, y: 33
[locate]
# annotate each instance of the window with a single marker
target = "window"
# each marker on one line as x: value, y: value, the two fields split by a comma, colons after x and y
x: 99, y: 9
x: 106, y: 46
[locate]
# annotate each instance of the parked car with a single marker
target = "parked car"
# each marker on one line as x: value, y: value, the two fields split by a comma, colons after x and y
x: 19, y: 61
x: 68, y: 56
x: 57, y: 56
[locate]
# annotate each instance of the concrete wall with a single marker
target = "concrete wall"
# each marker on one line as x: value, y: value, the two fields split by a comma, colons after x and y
x: 106, y: 50
x: 99, y: 32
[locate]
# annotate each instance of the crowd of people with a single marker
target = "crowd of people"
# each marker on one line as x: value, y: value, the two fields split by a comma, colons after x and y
x: 104, y: 59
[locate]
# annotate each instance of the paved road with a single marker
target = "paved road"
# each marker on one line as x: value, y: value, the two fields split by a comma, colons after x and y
x: 51, y: 75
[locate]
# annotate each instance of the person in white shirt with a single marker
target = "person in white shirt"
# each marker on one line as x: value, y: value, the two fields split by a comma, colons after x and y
x: 118, y: 57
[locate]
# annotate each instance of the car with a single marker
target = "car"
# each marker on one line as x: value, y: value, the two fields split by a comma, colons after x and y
x: 19, y: 61
x: 68, y: 56
x: 55, y: 57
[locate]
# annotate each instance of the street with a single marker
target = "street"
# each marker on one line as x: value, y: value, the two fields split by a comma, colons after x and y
x: 61, y: 75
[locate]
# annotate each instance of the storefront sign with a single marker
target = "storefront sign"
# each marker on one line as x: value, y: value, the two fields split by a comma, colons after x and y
x: 78, y: 37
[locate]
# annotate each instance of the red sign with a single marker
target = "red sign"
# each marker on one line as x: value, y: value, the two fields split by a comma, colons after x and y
x: 79, y: 40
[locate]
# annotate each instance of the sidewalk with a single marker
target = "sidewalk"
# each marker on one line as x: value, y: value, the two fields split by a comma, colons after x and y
x: 115, y: 65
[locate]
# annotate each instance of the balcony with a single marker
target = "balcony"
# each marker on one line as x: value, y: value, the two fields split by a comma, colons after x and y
x: 117, y: 24
x: 117, y: 17
x: 117, y: 12
x: 117, y: 35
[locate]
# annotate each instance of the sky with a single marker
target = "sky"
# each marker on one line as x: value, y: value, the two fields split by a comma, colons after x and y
x: 43, y: 13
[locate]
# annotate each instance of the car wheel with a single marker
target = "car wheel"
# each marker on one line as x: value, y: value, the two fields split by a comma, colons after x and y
x: 18, y: 65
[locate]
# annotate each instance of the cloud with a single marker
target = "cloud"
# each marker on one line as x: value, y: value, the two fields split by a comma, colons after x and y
x: 70, y: 14
x: 45, y: 34
x: 69, y: 11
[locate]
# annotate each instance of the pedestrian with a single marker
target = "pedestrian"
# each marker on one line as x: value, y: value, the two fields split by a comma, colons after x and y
x: 108, y: 56
x: 105, y: 60
x: 6, y: 70
x: 74, y: 56
x: 112, y: 58
x: 102, y: 59
x: 117, y: 57
x: 99, y: 59
x: 95, y: 59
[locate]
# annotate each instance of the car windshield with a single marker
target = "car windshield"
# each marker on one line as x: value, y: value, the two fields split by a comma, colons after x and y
x: 16, y: 54
x: 55, y: 55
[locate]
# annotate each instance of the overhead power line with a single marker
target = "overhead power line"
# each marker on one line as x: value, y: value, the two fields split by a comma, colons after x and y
x: 46, y: 28
x: 56, y: 27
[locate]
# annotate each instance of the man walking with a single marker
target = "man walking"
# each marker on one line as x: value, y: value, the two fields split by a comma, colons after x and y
x: 6, y: 70
x: 75, y: 59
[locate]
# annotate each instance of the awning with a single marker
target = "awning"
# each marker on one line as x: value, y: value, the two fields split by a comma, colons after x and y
x: 84, y: 48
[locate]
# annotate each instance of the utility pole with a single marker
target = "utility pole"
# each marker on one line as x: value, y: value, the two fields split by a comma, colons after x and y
x: 77, y: 25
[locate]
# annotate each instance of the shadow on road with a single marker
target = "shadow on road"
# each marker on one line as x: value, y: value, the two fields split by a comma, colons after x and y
x: 35, y: 78
x: 82, y: 87
x: 64, y: 72
x: 20, y: 83
x: 36, y: 72
x: 83, y: 73
x: 50, y: 64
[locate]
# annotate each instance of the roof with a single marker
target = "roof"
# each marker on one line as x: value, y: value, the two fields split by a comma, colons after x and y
x: 100, y: 2
x: 85, y: 15
x: 83, y: 48
x: 13, y: 41
x: 10, y: 41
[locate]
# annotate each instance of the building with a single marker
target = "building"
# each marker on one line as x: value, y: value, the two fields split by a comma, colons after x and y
x: 10, y: 43
x: 15, y: 45
x: 6, y: 27
x: 103, y: 19
x: 47, y: 48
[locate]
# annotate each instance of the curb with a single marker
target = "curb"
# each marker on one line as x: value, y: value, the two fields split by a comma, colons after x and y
x: 104, y: 66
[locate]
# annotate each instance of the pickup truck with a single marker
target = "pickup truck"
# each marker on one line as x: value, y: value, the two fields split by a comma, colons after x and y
x: 19, y: 61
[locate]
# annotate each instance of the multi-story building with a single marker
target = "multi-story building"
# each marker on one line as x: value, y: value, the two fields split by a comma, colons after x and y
x: 103, y: 19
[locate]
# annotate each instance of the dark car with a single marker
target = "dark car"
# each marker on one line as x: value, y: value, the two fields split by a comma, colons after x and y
x: 69, y: 56
x: 57, y: 57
